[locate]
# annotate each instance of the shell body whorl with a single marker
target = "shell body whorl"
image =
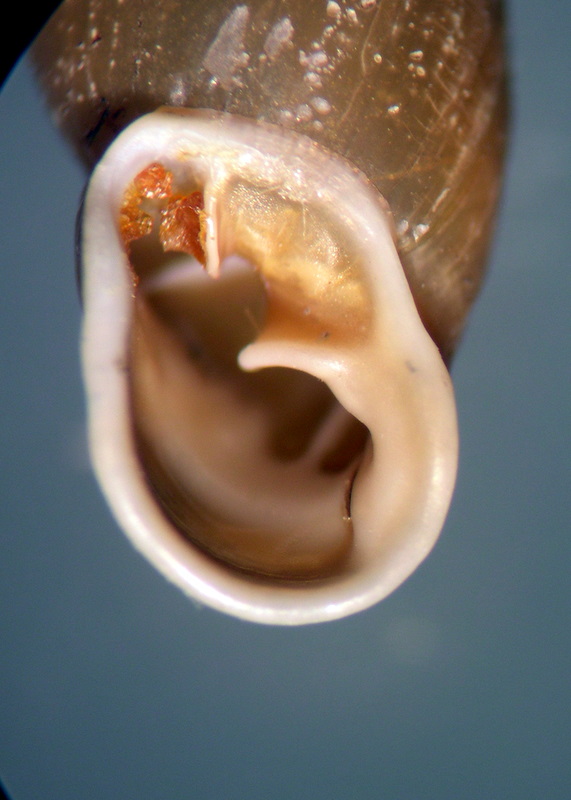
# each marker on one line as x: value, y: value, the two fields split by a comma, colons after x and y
x: 410, y: 91
x: 278, y: 264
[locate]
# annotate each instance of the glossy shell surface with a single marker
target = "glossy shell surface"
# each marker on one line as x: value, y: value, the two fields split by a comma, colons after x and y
x: 410, y: 91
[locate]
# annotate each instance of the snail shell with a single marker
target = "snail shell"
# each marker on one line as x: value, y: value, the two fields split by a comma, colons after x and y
x: 269, y: 279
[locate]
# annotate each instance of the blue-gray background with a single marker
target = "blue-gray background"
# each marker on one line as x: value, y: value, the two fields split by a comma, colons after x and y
x: 114, y: 685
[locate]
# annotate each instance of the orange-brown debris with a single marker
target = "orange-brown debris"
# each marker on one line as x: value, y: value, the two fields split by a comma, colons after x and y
x: 182, y: 225
x: 182, y: 219
x: 153, y: 182
x: 133, y: 222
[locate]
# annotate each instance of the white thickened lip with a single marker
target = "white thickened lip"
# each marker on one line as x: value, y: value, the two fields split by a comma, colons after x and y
x: 273, y: 428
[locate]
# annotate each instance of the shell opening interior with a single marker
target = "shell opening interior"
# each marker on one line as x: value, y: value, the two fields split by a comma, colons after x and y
x: 269, y: 419
x: 250, y: 459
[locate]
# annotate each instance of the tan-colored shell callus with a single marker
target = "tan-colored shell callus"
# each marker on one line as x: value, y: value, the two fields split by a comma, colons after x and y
x: 273, y: 257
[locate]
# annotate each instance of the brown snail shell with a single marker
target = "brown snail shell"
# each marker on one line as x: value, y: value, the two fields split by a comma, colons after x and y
x: 410, y: 95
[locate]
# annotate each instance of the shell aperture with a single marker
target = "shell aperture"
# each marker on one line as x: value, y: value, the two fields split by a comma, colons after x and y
x: 302, y: 310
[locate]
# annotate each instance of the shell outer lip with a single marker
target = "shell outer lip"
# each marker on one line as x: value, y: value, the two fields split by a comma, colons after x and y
x: 108, y: 294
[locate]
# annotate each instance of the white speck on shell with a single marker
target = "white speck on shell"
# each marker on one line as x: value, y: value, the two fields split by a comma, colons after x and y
x: 321, y: 105
x: 352, y: 16
x: 226, y: 56
x: 303, y: 113
x: 177, y: 93
x: 313, y: 79
x: 279, y: 38
x: 333, y: 10
x: 313, y: 61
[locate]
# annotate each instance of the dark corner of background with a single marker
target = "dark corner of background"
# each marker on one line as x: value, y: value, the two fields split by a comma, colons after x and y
x: 27, y: 20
